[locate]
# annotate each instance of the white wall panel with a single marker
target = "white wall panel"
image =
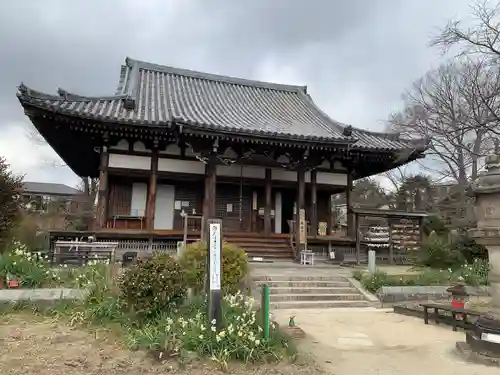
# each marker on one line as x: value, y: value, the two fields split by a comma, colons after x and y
x: 326, y: 178
x: 129, y: 161
x: 181, y: 166
x: 197, y: 167
x: 139, y: 198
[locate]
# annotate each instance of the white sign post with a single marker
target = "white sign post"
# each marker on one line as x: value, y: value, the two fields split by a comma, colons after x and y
x: 215, y: 256
x: 214, y: 272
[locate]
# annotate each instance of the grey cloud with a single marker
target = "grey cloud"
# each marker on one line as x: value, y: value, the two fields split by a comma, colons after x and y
x: 355, y: 56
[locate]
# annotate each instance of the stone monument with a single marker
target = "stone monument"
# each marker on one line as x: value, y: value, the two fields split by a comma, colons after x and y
x: 483, y: 341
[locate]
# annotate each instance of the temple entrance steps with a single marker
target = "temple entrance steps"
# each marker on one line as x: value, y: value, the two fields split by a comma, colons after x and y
x: 311, y: 292
x: 268, y: 248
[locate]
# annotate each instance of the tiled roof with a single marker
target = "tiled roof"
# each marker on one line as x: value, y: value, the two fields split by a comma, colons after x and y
x: 48, y: 188
x: 157, y: 95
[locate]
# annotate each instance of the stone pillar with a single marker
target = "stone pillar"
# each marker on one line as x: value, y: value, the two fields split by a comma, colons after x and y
x: 484, y: 339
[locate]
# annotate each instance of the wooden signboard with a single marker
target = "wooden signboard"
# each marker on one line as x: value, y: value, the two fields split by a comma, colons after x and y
x: 302, y: 226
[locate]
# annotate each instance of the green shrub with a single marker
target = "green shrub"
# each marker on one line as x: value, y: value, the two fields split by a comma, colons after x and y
x: 10, y: 202
x: 437, y: 253
x: 153, y: 285
x: 475, y: 273
x: 31, y: 269
x: 234, y: 266
x: 429, y: 276
x: 375, y: 281
x: 241, y: 337
x: 358, y: 275
x: 470, y: 250
x: 433, y: 223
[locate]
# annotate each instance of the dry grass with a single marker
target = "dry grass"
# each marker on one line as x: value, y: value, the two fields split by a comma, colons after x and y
x: 36, y: 345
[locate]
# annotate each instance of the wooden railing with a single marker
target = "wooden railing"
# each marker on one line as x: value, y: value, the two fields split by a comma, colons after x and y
x: 81, y: 252
x: 336, y: 232
x: 193, y: 225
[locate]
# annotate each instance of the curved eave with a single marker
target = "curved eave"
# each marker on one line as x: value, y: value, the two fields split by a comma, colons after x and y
x: 264, y: 134
x: 57, y: 105
x: 68, y: 96
x: 110, y: 109
x: 367, y: 140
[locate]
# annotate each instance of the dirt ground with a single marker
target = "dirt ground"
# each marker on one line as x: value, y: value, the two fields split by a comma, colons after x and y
x: 31, y: 345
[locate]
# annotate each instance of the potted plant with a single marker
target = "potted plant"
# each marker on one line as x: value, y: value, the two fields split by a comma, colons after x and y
x: 12, y: 282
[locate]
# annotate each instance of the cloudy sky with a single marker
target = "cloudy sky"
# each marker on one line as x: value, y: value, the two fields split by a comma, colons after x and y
x: 355, y: 56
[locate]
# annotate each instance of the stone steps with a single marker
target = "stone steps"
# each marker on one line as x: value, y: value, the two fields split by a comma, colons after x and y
x: 318, y: 304
x: 295, y: 278
x: 306, y: 284
x: 315, y: 290
x: 302, y: 291
x: 316, y: 297
x: 268, y: 248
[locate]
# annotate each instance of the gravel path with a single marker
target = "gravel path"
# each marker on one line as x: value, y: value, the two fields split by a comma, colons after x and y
x: 371, y: 341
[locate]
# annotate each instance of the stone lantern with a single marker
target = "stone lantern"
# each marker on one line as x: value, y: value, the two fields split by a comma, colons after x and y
x: 484, y: 339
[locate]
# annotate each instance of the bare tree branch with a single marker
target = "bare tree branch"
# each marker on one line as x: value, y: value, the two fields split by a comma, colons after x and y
x: 479, y: 39
x: 447, y: 106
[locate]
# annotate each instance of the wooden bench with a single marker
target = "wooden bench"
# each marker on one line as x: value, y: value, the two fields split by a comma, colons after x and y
x: 464, y: 313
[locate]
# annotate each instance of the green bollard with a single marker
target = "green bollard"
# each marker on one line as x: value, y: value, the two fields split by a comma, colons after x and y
x: 265, y: 310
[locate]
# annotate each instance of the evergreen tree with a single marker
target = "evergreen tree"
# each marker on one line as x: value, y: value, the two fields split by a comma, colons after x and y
x: 10, y: 202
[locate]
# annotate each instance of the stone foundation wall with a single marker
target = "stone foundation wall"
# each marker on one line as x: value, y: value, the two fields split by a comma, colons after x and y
x: 395, y: 294
x: 43, y: 294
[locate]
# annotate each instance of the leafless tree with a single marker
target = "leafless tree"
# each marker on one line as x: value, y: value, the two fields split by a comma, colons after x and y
x: 445, y: 105
x: 479, y: 38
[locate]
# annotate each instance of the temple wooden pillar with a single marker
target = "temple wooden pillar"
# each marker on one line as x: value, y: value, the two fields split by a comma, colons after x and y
x: 268, y: 203
x: 314, y: 203
x: 301, y: 192
x: 151, y: 205
x: 209, y: 196
x: 351, y: 225
x: 102, y: 201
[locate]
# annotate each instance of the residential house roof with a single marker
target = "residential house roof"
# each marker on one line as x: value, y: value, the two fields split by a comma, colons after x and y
x: 48, y: 188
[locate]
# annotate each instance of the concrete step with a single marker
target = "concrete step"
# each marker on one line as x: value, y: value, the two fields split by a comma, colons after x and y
x: 317, y: 297
x: 317, y: 304
x: 300, y: 278
x: 263, y: 245
x: 265, y: 254
x: 267, y: 258
x: 312, y: 290
x: 305, y: 284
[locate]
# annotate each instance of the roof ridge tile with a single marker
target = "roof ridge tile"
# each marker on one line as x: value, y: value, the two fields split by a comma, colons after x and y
x: 213, y: 77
